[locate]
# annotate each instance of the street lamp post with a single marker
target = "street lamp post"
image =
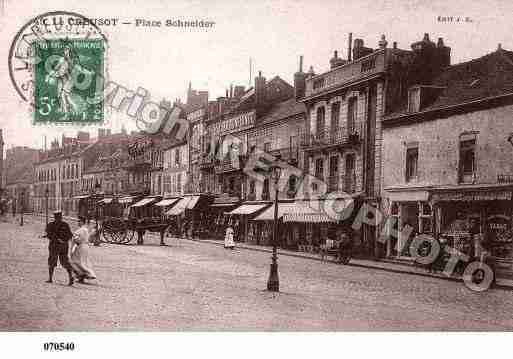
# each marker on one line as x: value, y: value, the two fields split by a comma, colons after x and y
x: 273, y: 283
x: 46, y: 203
x: 21, y: 207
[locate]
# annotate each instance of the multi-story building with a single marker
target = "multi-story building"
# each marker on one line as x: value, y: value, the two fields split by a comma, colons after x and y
x: 18, y: 171
x: 447, y: 154
x: 175, y: 168
x: 345, y: 108
x: 196, y: 119
x: 58, y: 172
x: 225, y: 144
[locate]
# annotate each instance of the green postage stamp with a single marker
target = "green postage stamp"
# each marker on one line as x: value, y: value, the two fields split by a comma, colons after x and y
x: 69, y: 81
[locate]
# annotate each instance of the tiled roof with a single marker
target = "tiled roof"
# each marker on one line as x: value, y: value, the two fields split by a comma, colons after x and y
x: 282, y: 110
x: 487, y: 76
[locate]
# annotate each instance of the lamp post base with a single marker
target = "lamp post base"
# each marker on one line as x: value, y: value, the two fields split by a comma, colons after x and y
x: 273, y: 283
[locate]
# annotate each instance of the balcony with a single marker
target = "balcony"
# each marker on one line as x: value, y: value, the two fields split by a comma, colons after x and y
x: 360, y: 69
x: 326, y: 138
x: 288, y: 154
x: 206, y: 162
x: 228, y: 165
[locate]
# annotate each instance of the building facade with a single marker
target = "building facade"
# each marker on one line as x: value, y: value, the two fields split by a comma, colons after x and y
x: 175, y: 169
x: 447, y: 157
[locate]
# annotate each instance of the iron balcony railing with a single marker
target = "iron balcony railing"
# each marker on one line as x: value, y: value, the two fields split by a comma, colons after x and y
x: 328, y: 137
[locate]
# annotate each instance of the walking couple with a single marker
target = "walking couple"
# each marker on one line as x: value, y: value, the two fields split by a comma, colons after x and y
x: 70, y: 249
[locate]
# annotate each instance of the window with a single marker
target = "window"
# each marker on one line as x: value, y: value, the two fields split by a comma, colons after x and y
x: 320, y: 122
x: 350, y: 174
x: 177, y: 157
x: 267, y: 146
x: 335, y: 116
x: 319, y: 168
x: 467, y: 163
x: 414, y: 99
x: 352, y: 114
x: 292, y: 186
x: 333, y: 166
x: 179, y: 183
x: 412, y: 158
x: 265, y: 190
x: 252, y: 187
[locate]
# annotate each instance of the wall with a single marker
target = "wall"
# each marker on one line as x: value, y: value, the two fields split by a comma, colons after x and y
x: 439, y: 148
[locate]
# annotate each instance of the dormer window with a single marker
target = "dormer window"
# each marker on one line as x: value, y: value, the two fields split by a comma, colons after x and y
x: 414, y: 99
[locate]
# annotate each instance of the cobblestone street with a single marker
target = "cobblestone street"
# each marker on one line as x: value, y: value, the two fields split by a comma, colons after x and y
x: 189, y: 285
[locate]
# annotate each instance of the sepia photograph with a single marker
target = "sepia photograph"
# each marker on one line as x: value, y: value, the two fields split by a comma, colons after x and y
x: 339, y: 169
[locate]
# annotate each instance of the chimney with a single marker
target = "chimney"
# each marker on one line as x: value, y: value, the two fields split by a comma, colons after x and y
x: 221, y: 104
x: 238, y: 91
x: 359, y: 50
x: 260, y: 90
x: 336, y: 61
x: 227, y: 96
x: 394, y: 45
x: 231, y: 90
x: 300, y: 81
x: 382, y: 43
x: 349, y: 52
x: 311, y: 72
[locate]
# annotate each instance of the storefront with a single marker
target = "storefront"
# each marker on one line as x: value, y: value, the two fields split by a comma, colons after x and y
x: 218, y: 212
x: 248, y: 229
x: 458, y: 216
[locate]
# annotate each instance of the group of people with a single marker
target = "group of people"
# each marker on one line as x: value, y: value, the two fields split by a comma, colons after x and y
x: 70, y: 249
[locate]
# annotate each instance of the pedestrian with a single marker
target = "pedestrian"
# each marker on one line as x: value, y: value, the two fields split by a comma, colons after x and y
x: 228, y: 238
x: 60, y: 235
x: 80, y: 252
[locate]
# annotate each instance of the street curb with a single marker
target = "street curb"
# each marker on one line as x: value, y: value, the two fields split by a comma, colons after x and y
x: 393, y: 270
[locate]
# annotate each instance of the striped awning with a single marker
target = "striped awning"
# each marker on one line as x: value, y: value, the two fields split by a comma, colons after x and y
x: 287, y: 207
x: 308, y: 218
x: 167, y: 202
x: 145, y: 201
x: 105, y: 201
x: 179, y: 208
x: 192, y: 201
x: 248, y: 208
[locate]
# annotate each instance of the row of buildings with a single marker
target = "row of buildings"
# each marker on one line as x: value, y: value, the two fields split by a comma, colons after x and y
x: 426, y: 142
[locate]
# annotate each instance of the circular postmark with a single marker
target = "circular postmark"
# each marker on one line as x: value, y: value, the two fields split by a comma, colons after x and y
x: 57, y: 64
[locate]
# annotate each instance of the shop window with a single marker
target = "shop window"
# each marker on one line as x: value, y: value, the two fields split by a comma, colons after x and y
x: 320, y: 122
x: 319, y: 168
x: 412, y: 158
x: 352, y: 114
x: 467, y: 161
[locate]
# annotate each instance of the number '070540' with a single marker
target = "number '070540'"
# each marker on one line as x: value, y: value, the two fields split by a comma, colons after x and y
x: 52, y: 346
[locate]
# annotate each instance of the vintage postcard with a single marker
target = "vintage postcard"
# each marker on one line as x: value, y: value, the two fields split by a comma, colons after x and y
x: 261, y: 166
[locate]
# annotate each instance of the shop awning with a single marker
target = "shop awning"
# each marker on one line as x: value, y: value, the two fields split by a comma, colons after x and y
x: 105, y: 201
x: 179, y: 208
x: 145, y: 201
x: 248, y: 208
x: 283, y: 208
x: 126, y: 199
x: 408, y: 196
x: 307, y: 218
x: 192, y: 201
x: 167, y: 202
x: 82, y: 196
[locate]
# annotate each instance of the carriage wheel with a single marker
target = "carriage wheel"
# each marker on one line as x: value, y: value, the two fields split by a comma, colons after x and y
x: 115, y: 231
x: 130, y: 233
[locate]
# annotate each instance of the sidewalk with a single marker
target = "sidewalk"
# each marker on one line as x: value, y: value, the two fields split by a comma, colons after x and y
x: 389, y: 265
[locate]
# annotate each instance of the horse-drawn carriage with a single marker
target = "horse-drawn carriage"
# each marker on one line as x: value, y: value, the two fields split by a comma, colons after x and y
x: 122, y: 217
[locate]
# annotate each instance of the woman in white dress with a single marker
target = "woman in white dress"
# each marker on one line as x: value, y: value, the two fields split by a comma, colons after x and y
x: 79, y: 258
x: 228, y: 238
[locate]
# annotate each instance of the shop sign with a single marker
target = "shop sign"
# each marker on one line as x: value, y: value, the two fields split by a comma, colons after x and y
x: 472, y: 196
x: 499, y: 227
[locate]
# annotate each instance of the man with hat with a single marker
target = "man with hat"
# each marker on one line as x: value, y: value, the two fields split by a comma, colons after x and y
x: 59, y: 234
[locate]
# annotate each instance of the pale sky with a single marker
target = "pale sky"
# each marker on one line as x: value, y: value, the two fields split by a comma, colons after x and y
x: 273, y: 33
